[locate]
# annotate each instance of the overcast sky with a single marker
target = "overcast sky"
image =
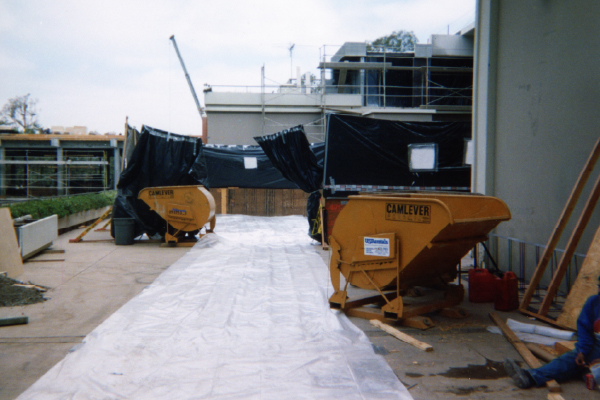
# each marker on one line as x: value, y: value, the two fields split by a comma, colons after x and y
x: 93, y: 63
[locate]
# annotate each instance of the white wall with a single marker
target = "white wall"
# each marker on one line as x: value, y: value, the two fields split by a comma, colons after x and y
x: 536, y: 109
x: 241, y: 128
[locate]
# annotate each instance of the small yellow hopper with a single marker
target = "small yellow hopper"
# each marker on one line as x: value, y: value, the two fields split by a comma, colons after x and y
x: 396, y: 242
x: 184, y: 208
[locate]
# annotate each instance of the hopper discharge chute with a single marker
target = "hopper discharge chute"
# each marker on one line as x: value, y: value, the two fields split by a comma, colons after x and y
x: 393, y: 243
x: 186, y: 209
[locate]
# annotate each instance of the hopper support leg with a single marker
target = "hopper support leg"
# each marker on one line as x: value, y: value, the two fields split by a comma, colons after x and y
x: 408, y: 315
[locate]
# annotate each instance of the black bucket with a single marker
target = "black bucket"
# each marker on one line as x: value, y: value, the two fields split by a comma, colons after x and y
x: 124, y: 230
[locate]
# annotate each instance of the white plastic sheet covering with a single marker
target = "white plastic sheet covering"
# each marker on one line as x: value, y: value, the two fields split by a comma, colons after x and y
x: 535, y: 333
x: 243, y: 315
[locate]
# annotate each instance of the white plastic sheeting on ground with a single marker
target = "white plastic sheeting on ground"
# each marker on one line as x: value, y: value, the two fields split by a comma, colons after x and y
x: 243, y: 315
x: 535, y: 333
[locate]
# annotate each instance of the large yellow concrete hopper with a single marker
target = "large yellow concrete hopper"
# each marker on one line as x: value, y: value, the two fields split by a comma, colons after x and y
x: 397, y: 242
x: 184, y: 208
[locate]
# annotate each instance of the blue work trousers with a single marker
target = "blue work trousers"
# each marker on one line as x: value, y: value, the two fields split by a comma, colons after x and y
x: 562, y: 368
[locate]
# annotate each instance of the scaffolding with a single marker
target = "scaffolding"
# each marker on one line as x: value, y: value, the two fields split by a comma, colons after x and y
x: 29, y: 169
x: 379, y: 82
x: 392, y: 79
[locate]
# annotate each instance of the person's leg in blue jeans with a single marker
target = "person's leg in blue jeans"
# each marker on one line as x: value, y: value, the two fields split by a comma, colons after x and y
x: 561, y: 368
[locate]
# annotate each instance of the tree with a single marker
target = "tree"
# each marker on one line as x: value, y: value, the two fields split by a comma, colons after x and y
x: 20, y: 112
x: 398, y: 41
x: 313, y: 83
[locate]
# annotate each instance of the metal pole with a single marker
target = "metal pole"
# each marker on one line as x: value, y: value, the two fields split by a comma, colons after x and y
x: 187, y: 76
x: 2, y: 172
x: 363, y: 84
x: 60, y: 168
x: 427, y: 84
x: 384, y: 73
x: 262, y: 96
x: 116, y: 165
x: 323, y: 98
x: 27, y: 173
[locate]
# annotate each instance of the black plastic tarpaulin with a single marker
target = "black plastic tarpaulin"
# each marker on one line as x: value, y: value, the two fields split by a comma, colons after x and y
x: 301, y: 163
x: 373, y: 152
x: 243, y: 167
x: 159, y: 159
x: 290, y: 153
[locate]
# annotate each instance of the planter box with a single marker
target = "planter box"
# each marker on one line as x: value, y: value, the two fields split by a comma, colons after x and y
x: 37, y: 235
x: 76, y: 220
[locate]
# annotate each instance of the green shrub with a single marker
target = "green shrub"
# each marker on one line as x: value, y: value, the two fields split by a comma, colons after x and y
x: 62, y: 206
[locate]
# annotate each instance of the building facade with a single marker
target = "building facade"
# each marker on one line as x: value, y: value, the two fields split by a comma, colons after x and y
x: 433, y: 83
x: 38, y: 165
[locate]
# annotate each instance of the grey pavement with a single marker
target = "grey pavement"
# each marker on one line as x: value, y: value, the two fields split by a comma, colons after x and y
x: 97, y: 277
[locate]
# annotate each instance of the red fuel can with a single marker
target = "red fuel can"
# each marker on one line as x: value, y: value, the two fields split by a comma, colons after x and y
x: 507, y: 292
x: 482, y: 287
x: 590, y: 382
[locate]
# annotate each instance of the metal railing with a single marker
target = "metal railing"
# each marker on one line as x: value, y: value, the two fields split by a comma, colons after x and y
x: 435, y: 94
x: 522, y: 258
x: 27, y: 176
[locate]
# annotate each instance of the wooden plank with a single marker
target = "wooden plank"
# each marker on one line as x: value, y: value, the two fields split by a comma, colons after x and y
x: 14, y: 321
x: 36, y: 287
x: 10, y: 261
x: 92, y: 226
x: 260, y: 202
x: 370, y: 313
x: 564, y: 347
x: 282, y: 202
x: 555, y: 396
x: 539, y: 352
x: 256, y: 202
x: 529, y: 358
x: 289, y: 202
x: 402, y: 336
x: 516, y: 342
x: 549, y: 349
x: 53, y: 251
x: 234, y: 200
x: 544, y: 318
x: 560, y: 225
x: 366, y: 313
x: 582, y: 222
x: 104, y: 226
x: 224, y: 200
x: 270, y: 202
x: 377, y: 299
x: 322, y: 222
x: 586, y: 285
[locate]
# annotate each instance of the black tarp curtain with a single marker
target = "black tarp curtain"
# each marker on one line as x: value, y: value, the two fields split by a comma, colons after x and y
x: 159, y: 159
x: 367, y: 151
x: 165, y: 159
x: 290, y: 153
x: 233, y: 166
x: 358, y: 151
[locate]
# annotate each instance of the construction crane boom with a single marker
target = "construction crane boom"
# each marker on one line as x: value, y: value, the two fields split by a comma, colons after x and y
x: 187, y: 76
